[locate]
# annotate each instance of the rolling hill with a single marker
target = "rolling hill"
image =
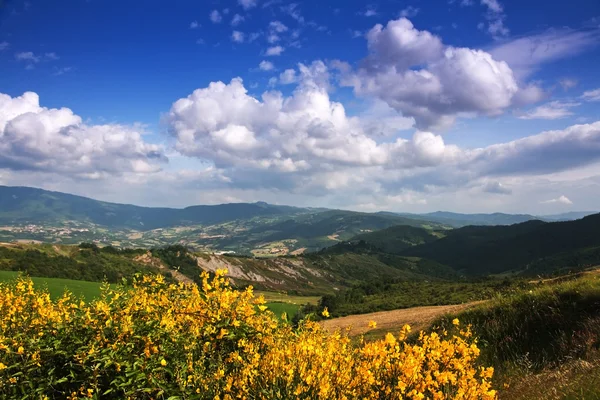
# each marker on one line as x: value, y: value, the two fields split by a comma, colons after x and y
x: 533, y: 247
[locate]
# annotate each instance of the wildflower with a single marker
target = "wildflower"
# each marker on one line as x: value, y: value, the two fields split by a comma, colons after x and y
x: 455, y: 322
x: 163, y: 362
x: 20, y: 350
x: 325, y: 312
x: 372, y: 324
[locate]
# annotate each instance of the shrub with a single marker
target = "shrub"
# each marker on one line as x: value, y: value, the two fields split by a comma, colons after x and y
x: 159, y: 340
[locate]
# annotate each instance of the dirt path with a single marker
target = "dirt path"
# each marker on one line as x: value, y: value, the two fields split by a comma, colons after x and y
x: 391, y: 321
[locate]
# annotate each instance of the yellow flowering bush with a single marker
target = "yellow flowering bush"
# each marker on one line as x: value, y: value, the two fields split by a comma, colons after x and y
x: 159, y: 340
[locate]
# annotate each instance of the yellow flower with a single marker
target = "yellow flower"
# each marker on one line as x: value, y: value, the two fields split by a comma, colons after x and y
x: 262, y: 308
x: 372, y: 324
x: 455, y: 321
x: 325, y: 313
x: 20, y: 350
x: 163, y: 362
x: 2, y: 366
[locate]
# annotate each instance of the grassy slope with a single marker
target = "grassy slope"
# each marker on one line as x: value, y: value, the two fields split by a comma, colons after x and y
x: 545, y: 342
x: 57, y: 286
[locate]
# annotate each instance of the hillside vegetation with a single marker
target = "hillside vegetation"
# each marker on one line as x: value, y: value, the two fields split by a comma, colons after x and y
x: 533, y: 247
x: 543, y: 342
x: 85, y: 262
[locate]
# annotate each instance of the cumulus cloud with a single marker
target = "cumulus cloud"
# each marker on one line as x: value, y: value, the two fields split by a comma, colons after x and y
x: 238, y: 36
x: 266, y: 65
x: 418, y: 76
x: 194, y: 25
x: 304, y: 132
x: 274, y: 51
x: 591, y: 95
x: 215, y: 16
x: 4, y: 45
x: 237, y: 19
x: 560, y: 200
x: 288, y: 77
x: 56, y: 140
x: 247, y: 4
x: 370, y: 12
x: 552, y: 110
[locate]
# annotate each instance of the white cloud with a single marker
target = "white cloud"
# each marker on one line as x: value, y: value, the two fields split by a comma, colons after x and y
x: 237, y: 19
x: 237, y: 36
x: 495, y: 17
x: 568, y: 83
x: 288, y: 77
x: 552, y: 110
x: 560, y: 200
x: 253, y: 36
x: 525, y: 55
x: 370, y: 12
x: 277, y: 26
x: 307, y: 144
x: 493, y: 5
x: 420, y: 77
x: 266, y: 66
x: 409, y: 12
x: 591, y: 95
x: 194, y: 25
x: 274, y: 51
x: 247, y: 4
x: 51, y: 56
x: 62, y: 71
x: 36, y: 138
x: 215, y: 16
x: 4, y: 45
x: 200, y: 41
x: 27, y: 56
x: 293, y: 11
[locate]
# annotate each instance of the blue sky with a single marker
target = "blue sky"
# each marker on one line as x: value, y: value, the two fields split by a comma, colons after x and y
x: 466, y: 105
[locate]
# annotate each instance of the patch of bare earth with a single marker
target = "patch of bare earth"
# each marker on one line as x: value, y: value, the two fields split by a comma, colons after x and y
x: 298, y: 251
x: 155, y: 262
x: 333, y: 237
x: 391, y: 321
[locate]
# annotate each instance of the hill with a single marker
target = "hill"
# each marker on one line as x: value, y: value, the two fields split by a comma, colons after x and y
x: 24, y: 205
x: 311, y: 274
x: 246, y: 228
x: 533, y: 247
x: 397, y: 238
x: 457, y: 220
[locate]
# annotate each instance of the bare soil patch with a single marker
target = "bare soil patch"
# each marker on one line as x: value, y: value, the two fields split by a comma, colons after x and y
x: 391, y: 321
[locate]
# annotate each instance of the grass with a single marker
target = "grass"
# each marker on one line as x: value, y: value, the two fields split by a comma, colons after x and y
x: 57, y: 286
x: 275, y: 297
x: 543, y: 342
x: 279, y: 308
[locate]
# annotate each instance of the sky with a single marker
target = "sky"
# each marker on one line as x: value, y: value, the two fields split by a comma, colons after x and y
x: 407, y: 106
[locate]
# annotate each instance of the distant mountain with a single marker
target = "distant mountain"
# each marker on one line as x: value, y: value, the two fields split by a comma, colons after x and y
x: 533, y: 246
x: 247, y: 228
x: 569, y: 216
x: 458, y: 220
x: 20, y: 205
